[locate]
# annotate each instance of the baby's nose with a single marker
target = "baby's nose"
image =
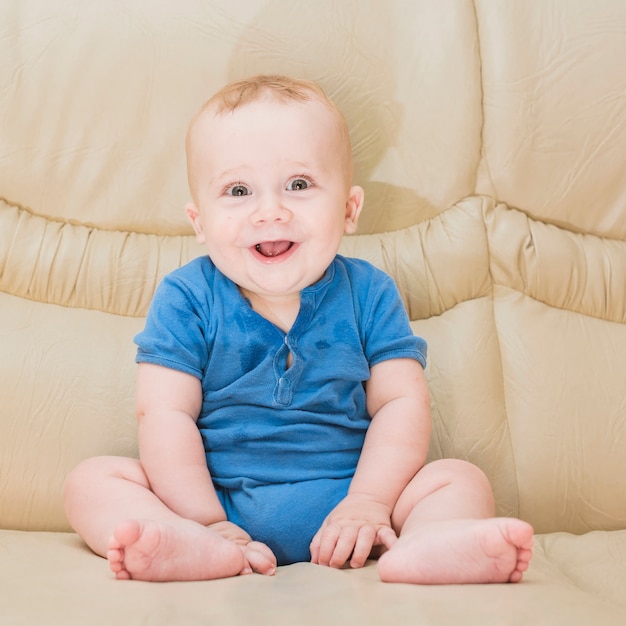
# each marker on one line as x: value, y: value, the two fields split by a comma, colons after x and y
x: 271, y: 209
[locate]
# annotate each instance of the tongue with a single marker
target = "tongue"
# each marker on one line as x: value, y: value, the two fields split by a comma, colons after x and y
x: 273, y: 248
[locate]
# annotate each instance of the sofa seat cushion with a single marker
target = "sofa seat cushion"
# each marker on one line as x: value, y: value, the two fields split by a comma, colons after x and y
x: 53, y: 579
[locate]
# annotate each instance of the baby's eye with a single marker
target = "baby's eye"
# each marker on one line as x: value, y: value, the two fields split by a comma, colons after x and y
x: 298, y: 184
x: 238, y: 190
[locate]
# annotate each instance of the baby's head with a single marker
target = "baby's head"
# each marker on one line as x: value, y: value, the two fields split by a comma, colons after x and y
x: 269, y: 87
x: 270, y: 173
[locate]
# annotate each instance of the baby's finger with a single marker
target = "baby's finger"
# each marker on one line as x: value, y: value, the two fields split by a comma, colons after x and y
x: 327, y: 542
x: 386, y: 536
x: 314, y: 547
x: 363, y: 546
x: 344, y: 546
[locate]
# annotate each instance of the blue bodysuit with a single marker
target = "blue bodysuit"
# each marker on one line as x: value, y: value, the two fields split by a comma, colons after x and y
x: 282, y: 443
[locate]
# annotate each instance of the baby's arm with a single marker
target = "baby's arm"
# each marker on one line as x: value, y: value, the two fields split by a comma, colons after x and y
x: 173, y: 457
x: 394, y: 451
x: 170, y: 444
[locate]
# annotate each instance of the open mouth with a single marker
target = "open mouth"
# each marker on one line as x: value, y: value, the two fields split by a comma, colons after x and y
x: 273, y: 249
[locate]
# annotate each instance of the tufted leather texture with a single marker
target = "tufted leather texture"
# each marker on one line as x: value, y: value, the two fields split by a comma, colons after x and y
x: 489, y: 137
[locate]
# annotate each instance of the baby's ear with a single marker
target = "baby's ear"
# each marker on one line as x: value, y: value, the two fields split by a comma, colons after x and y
x: 354, y: 204
x: 196, y: 221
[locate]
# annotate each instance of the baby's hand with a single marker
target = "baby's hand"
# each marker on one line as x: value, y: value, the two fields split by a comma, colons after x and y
x: 351, y: 530
x: 259, y: 558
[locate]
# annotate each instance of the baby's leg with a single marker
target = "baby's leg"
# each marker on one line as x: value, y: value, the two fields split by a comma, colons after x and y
x: 448, y: 534
x: 109, y: 503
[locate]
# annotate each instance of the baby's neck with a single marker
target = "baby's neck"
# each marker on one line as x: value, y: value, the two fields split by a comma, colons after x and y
x: 282, y: 312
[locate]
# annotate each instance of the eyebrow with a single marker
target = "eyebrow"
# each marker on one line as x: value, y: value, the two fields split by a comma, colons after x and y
x: 229, y: 174
x: 237, y: 172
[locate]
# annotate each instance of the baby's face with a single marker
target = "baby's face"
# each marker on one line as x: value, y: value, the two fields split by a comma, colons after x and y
x: 273, y: 195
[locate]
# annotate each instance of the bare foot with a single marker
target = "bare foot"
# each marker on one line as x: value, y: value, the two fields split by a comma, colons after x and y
x: 494, y: 550
x: 160, y: 551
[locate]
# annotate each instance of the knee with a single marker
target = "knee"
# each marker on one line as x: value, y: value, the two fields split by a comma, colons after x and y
x: 82, y: 475
x: 460, y: 472
x: 90, y: 473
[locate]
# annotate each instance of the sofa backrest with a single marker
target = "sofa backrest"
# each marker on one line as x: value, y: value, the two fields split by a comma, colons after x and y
x: 489, y: 137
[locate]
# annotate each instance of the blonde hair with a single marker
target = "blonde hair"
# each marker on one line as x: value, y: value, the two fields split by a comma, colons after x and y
x: 281, y: 88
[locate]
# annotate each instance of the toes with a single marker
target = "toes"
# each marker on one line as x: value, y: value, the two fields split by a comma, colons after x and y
x: 126, y: 534
x: 116, y: 564
x: 260, y: 558
x: 115, y: 558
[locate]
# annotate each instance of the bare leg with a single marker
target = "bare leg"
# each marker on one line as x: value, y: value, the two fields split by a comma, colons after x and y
x: 448, y: 534
x: 109, y: 503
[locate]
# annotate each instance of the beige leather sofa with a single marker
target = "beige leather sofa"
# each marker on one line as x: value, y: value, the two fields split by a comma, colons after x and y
x: 490, y: 137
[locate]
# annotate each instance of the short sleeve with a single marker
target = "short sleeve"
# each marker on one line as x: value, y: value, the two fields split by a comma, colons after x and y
x: 387, y: 332
x: 174, y: 334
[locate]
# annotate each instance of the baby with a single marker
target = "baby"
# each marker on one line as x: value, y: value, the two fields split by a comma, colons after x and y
x: 282, y: 406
